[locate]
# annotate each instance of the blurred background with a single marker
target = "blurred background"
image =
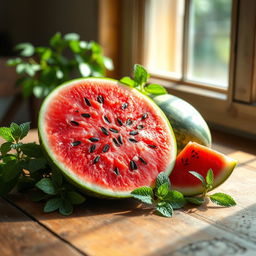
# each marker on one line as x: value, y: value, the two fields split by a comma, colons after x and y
x: 199, y: 49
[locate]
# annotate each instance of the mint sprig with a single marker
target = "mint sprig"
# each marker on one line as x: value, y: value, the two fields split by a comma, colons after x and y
x: 221, y: 199
x: 24, y: 167
x: 161, y: 198
x: 140, y: 82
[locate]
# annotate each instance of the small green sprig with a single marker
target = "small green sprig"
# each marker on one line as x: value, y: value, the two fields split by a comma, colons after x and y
x: 221, y: 199
x: 162, y: 199
x: 24, y: 167
x: 140, y: 80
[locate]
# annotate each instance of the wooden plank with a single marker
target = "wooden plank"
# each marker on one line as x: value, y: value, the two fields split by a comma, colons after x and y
x: 21, y: 236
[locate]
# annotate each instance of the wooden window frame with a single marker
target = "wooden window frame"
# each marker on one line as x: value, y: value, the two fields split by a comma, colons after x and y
x: 234, y: 109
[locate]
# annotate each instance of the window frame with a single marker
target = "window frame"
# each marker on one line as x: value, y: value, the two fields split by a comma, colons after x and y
x: 233, y: 111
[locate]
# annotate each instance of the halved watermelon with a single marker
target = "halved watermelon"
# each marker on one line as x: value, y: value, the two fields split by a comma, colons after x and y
x: 106, y: 137
x: 198, y: 158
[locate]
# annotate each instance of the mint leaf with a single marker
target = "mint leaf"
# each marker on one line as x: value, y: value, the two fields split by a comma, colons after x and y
x: 71, y: 37
x: 36, y: 164
x: 24, y: 129
x: 66, y: 208
x: 11, y: 171
x: 108, y: 63
x: 161, y: 179
x: 144, y: 194
x: 13, y: 62
x: 128, y: 81
x: 165, y: 209
x: 209, y: 177
x: 52, y: 204
x: 47, y: 186
x: 140, y: 74
x: 155, y: 89
x: 75, y: 198
x: 16, y: 131
x: 27, y: 49
x: 84, y: 69
x: 32, y: 150
x: 57, y: 178
x: 222, y: 199
x: 5, y: 148
x: 163, y: 190
x: 195, y: 200
x: 6, y: 133
x: 199, y: 176
x: 175, y: 198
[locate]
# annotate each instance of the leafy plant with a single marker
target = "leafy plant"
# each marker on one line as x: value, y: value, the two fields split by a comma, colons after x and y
x: 23, y: 166
x: 42, y: 68
x: 140, y: 82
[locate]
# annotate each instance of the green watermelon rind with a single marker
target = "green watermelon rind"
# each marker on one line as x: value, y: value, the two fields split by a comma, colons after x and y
x: 87, y: 187
x: 229, y: 164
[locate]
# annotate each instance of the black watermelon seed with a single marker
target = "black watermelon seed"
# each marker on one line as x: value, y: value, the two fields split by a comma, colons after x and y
x: 124, y: 106
x: 133, y: 140
x: 116, y: 171
x: 105, y: 148
x: 133, y: 165
x: 116, y: 142
x: 142, y: 160
x: 134, y: 133
x: 140, y: 127
x: 152, y: 146
x: 86, y: 115
x: 92, y: 148
x: 119, y: 121
x: 106, y: 119
x: 113, y: 130
x: 75, y: 143
x: 144, y: 116
x: 96, y: 159
x: 88, y: 103
x: 128, y: 121
x: 74, y: 123
x: 93, y: 139
x: 100, y: 99
x: 120, y: 140
x: 76, y: 111
x: 104, y: 130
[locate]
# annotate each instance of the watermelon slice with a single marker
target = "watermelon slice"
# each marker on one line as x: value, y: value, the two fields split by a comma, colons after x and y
x: 106, y: 137
x: 198, y: 158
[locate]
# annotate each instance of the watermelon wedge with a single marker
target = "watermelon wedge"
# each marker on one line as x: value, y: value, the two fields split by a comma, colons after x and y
x: 106, y: 137
x: 198, y: 158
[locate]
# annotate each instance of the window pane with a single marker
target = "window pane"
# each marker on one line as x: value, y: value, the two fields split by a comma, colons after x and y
x: 163, y: 36
x: 209, y: 41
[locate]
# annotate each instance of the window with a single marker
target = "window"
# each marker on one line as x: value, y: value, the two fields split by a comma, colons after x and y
x: 202, y: 51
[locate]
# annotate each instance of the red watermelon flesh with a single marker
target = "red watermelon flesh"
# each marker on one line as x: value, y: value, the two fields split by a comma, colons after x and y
x: 106, y: 137
x: 198, y: 158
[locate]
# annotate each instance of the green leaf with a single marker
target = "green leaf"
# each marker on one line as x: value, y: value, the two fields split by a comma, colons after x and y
x: 71, y: 37
x: 155, y: 89
x: 108, y: 63
x: 6, y: 187
x: 163, y: 189
x: 165, y: 209
x: 6, y: 133
x: 128, y: 81
x: 52, y: 204
x: 32, y: 150
x: 195, y: 200
x: 24, y: 129
x: 21, y: 68
x: 84, y: 69
x: 16, y: 131
x: 5, y: 148
x: 27, y: 87
x: 66, y: 207
x: 209, y: 177
x: 222, y: 199
x: 16, y: 145
x: 161, y: 179
x: 47, y: 54
x: 140, y: 74
x: 57, y: 178
x: 75, y: 46
x: 59, y: 74
x: 47, y: 186
x: 11, y: 171
x: 75, y: 198
x: 56, y: 40
x: 144, y: 194
x: 36, y: 164
x: 199, y: 176
x: 27, y: 49
x: 175, y: 198
x: 13, y: 62
x: 83, y: 44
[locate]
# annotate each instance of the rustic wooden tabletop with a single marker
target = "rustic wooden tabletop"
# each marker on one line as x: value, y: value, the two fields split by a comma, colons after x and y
x: 122, y: 227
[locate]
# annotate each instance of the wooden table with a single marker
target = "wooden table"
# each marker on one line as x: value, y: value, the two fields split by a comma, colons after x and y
x: 113, y: 228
